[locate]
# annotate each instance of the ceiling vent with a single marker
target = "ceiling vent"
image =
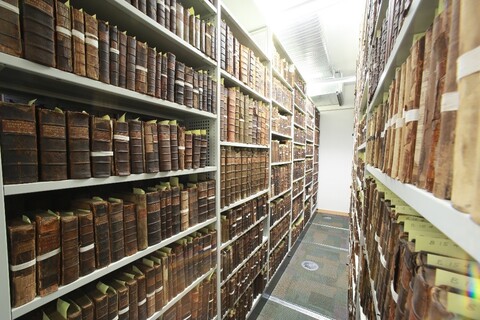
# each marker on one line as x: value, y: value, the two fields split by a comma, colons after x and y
x: 328, y: 94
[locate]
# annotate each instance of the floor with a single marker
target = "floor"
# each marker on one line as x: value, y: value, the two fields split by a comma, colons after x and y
x: 296, y: 293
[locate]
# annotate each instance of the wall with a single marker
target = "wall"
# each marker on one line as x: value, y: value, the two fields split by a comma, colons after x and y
x: 335, y: 158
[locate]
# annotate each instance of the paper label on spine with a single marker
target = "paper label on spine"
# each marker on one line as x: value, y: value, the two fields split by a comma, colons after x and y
x: 411, y: 115
x: 462, y: 305
x: 457, y: 265
x: 450, y: 101
x: 440, y: 246
x: 63, y: 31
x: 455, y: 280
x: 468, y: 63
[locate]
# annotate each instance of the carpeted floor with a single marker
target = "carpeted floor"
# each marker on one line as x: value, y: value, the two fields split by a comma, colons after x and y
x: 319, y: 292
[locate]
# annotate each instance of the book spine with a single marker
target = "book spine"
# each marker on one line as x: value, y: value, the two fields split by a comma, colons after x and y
x: 152, y: 9
x: 100, y: 210
x: 176, y: 215
x: 121, y: 149
x: 114, y: 55
x: 151, y: 147
x: 101, y: 147
x: 158, y: 75
x: 91, y: 46
x: 86, y: 242
x: 131, y: 63
x: 188, y: 87
x: 153, y: 217
x: 181, y: 147
x: 184, y: 211
x: 117, y: 230
x: 193, y: 205
x: 174, y: 147
x: 179, y: 21
x: 104, y: 51
x: 161, y: 12
x: 63, y: 37
x: 186, y: 25
x: 130, y: 228
x: 167, y: 15
x: 173, y: 16
x: 211, y: 185
x: 202, y: 201
x: 151, y: 70
x: 10, y: 42
x: 78, y: 42
x: 180, y: 83
x: 141, y: 65
x: 188, y: 150
x: 164, y: 77
x: 135, y: 128
x: 165, y: 147
x: 197, y: 145
x: 69, y: 249
x: 122, y: 59
x: 171, y: 65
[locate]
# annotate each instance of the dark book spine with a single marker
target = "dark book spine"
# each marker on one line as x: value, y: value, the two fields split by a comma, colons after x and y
x: 151, y: 147
x: 151, y: 71
x: 78, y: 42
x: 171, y: 62
x: 39, y: 31
x: 192, y: 32
x: 179, y: 16
x: 116, y: 230
x: 164, y: 78
x: 203, y: 149
x: 193, y: 205
x: 167, y: 15
x: 130, y: 228
x: 161, y: 12
x: 202, y: 201
x: 174, y: 146
x: 223, y: 45
x: 168, y: 214
x: 10, y: 39
x: 69, y: 248
x: 131, y: 62
x: 63, y: 37
x: 184, y: 221
x: 135, y: 128
x: 142, y: 6
x: 91, y: 46
x: 101, y: 215
x: 78, y: 145
x: 122, y: 59
x: 181, y: 147
x: 205, y: 92
x: 211, y: 198
x: 101, y: 147
x: 150, y: 284
x: 188, y: 150
x: 121, y: 149
x: 158, y: 75
x: 114, y: 53
x: 180, y: 83
x: 19, y: 143
x: 223, y: 155
x: 153, y: 218
x: 163, y: 213
x: 176, y: 216
x: 188, y: 87
x: 104, y: 51
x: 197, y: 144
x: 100, y: 303
x: 86, y: 242
x: 152, y: 9
x: 52, y: 141
x: 141, y: 67
x: 173, y: 16
x: 195, y: 91
x: 165, y: 147
x: 200, y: 90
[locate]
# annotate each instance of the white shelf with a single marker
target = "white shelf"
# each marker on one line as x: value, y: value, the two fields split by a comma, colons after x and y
x: 298, y: 126
x: 281, y: 107
x: 280, y: 135
x: 280, y: 163
x: 439, y: 212
x: 239, y: 202
x: 299, y: 159
x: 229, y: 242
x: 300, y: 90
x: 231, y: 80
x: 295, y: 196
x: 13, y: 189
x: 280, y: 241
x: 309, y: 170
x: 299, y: 143
x: 278, y: 221
x: 62, y: 290
x: 362, y: 146
x: 419, y: 18
x: 296, y: 218
x: 279, y: 76
x: 298, y: 179
x: 280, y: 194
x: 243, y: 145
x: 309, y: 140
x: 299, y: 109
x: 179, y: 296
x: 20, y: 75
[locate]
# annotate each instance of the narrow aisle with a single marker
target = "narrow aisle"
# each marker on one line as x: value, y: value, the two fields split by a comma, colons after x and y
x: 311, y: 284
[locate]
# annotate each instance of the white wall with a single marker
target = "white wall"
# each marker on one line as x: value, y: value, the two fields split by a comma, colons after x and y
x: 335, y: 159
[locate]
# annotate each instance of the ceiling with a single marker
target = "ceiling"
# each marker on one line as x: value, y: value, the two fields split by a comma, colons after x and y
x: 321, y: 36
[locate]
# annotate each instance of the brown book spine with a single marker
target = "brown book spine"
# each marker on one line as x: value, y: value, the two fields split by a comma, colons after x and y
x: 130, y: 228
x: 69, y: 248
x: 200, y: 90
x: 85, y: 305
x: 186, y: 25
x: 196, y: 91
x: 123, y: 295
x: 165, y: 146
x: 161, y: 12
x: 122, y: 59
x: 211, y: 185
x: 131, y: 62
x: 184, y: 212
x: 188, y: 87
x: 167, y: 14
x: 151, y: 147
x: 78, y: 42
x: 171, y: 62
x: 158, y: 75
x: 132, y: 285
x: 114, y: 53
x: 39, y: 31
x: 141, y: 294
x: 63, y: 37
x: 181, y: 147
x: 78, y: 145
x: 140, y: 201
x: 152, y: 9
x: 159, y: 301
x: 91, y: 46
x: 205, y: 92
x: 164, y: 78
x: 174, y: 146
x: 121, y: 148
x: 113, y: 303
x: 48, y: 253
x: 188, y: 150
x: 223, y: 155
x: 202, y: 201
x: 10, y: 39
x: 223, y: 45
x: 117, y: 234
x: 179, y: 21
x: 197, y: 145
x: 173, y: 16
x: 19, y: 143
x: 150, y: 284
x: 192, y: 32
x: 100, y: 303
x: 141, y: 5
x: 176, y: 215
x: 101, y: 147
x: 104, y: 51
x: 135, y: 128
x: 151, y: 70
x: 168, y: 213
x: 153, y: 217
x: 193, y: 205
x: 163, y: 212
x: 86, y: 241
x: 197, y: 33
x: 203, y: 27
x: 52, y: 142
x: 21, y: 251
x: 203, y: 149
x: 141, y: 67
x: 180, y: 83
x: 231, y: 111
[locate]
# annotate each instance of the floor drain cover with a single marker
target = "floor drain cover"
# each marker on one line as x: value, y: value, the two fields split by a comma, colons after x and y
x: 310, y: 265
x: 327, y: 218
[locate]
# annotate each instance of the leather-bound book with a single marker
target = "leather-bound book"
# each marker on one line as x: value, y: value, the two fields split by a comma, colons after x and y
x: 211, y: 185
x: 100, y: 302
x: 101, y: 212
x: 78, y: 145
x: 141, y: 291
x: 101, y: 146
x: 231, y: 106
x: 181, y: 147
x: 139, y: 198
x: 63, y: 37
x: 164, y: 194
x: 123, y: 295
x: 213, y: 33
x: 62, y: 310
x: 196, y: 146
x: 164, y: 145
x: 85, y: 304
x: 223, y: 45
x: 69, y: 248
x: 141, y: 67
x: 197, y: 32
x: 192, y: 205
x: 188, y: 87
x: 184, y: 220
x: 48, y: 252
x: 205, y: 92
x: 178, y: 249
x: 167, y: 14
x: 104, y: 51
x: 164, y: 77
x: 39, y: 31
x: 171, y: 62
x: 142, y: 5
x: 203, y: 148
x: 152, y: 9
x: 112, y: 299
x: 135, y: 131
x: 130, y: 228
x: 202, y: 201
x: 52, y: 142
x: 21, y: 258
x: 86, y: 241
x: 146, y: 266
x: 208, y: 39
x: 230, y: 48
x: 153, y: 216
x: 200, y: 90
x: 196, y: 91
x: 122, y: 59
x: 18, y: 128
x: 180, y: 83
x: 162, y: 259
x: 121, y: 147
x: 151, y: 146
x: 176, y: 215
x: 161, y: 12
x: 174, y: 145
x: 168, y: 211
x: 151, y: 70
x: 117, y: 234
x: 214, y: 96
x: 191, y: 26
x: 244, y: 63
x: 128, y: 279
x: 78, y: 42
x: 223, y: 159
x: 188, y: 150
x: 157, y: 265
x: 203, y: 28
x: 158, y: 75
x: 173, y: 16
x: 186, y: 24
x: 10, y: 40
x: 114, y: 55
x: 91, y: 46
x: 134, y: 3
x: 131, y: 62
x: 179, y: 21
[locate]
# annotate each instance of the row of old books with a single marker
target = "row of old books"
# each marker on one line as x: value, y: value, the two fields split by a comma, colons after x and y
x: 279, y: 231
x: 59, y: 145
x: 299, y: 118
x: 281, y: 151
x: 308, y: 164
x: 243, y: 119
x: 48, y: 249
x: 241, y: 62
x: 144, y: 287
x: 297, y: 228
x: 281, y: 179
x: 235, y: 287
x: 297, y: 205
x: 297, y: 187
x: 281, y: 123
x: 235, y: 254
x: 276, y: 257
x: 57, y: 35
x: 299, y: 152
x: 181, y: 21
x: 298, y: 169
x: 299, y: 99
x: 236, y: 221
x: 282, y: 94
x: 309, y: 151
x: 417, y: 271
x: 282, y: 66
x: 244, y: 172
x: 308, y: 177
x: 280, y: 207
x: 299, y: 135
x: 299, y: 82
x: 310, y: 109
x: 422, y: 133
x: 310, y: 132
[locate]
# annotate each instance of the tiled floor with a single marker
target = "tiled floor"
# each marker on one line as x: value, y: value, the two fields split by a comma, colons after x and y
x: 300, y: 294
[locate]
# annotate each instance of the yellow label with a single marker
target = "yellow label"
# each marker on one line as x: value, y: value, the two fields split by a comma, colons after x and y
x: 448, y: 263
x: 419, y: 225
x: 414, y: 234
x: 463, y: 305
x: 102, y: 287
x: 121, y: 282
x: 129, y: 275
x: 406, y: 210
x: 26, y: 219
x: 62, y: 308
x: 147, y: 262
x: 455, y: 280
x: 440, y: 246
x: 403, y: 218
x: 174, y: 181
x: 156, y: 260
x: 136, y: 270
